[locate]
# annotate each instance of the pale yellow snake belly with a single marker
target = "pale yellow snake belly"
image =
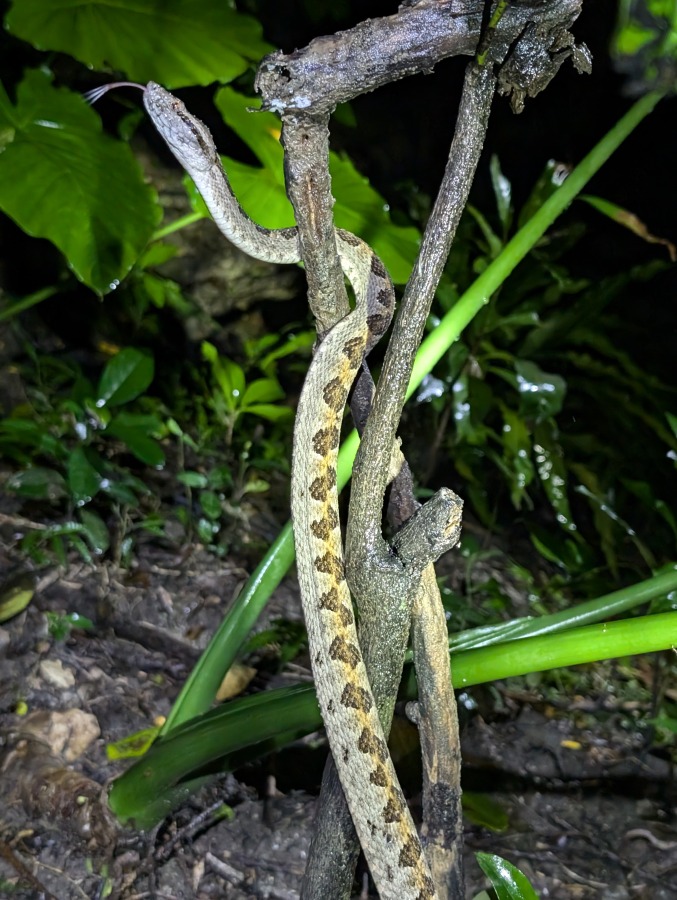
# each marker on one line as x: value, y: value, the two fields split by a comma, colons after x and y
x: 377, y: 805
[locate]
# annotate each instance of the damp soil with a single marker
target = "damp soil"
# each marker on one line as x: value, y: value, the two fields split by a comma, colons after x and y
x: 588, y: 806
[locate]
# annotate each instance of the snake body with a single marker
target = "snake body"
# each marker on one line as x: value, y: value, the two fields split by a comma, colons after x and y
x: 377, y: 805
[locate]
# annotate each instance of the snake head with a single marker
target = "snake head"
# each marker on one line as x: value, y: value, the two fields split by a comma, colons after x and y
x: 189, y: 140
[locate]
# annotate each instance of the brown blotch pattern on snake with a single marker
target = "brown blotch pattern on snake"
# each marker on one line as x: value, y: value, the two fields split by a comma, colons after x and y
x: 354, y: 350
x: 410, y: 854
x: 345, y: 615
x: 427, y: 892
x: 325, y: 439
x: 323, y: 528
x: 373, y: 745
x: 393, y: 810
x: 377, y: 324
x: 330, y: 600
x: 379, y: 777
x: 344, y: 651
x: 377, y: 267
x: 349, y: 238
x: 356, y: 698
x: 334, y: 394
x: 322, y: 485
x: 330, y: 565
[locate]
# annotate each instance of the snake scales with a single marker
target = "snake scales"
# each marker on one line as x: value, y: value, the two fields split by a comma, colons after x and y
x: 377, y: 805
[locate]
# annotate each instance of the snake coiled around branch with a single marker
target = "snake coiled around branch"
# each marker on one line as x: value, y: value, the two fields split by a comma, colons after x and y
x: 377, y: 805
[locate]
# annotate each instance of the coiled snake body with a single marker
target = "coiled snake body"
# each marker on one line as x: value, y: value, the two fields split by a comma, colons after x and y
x: 377, y: 805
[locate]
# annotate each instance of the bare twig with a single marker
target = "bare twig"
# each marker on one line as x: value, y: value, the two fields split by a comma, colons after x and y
x: 437, y: 719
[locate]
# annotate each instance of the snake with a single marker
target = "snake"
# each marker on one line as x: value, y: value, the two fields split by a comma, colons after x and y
x: 377, y: 805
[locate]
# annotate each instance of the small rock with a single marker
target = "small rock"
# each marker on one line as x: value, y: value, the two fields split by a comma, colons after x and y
x: 67, y: 733
x: 54, y: 672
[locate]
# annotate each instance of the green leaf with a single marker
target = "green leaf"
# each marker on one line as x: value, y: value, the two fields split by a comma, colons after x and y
x: 23, y: 439
x: 260, y: 193
x: 261, y: 133
x: 506, y: 879
x: 174, y: 42
x: 122, y: 493
x: 193, y: 479
x: 363, y: 211
x: 136, y: 430
x: 552, y: 472
x: 502, y: 192
x: 644, y: 46
x: 127, y: 375
x: 227, y: 373
x: 134, y: 745
x: 270, y: 412
x: 60, y: 625
x: 628, y: 220
x: 220, y: 478
x: 95, y: 531
x: 607, y: 518
x: 15, y: 595
x: 156, y: 253
x: 294, y: 343
x: 263, y: 390
x: 84, y: 481
x: 550, y: 179
x: 541, y: 393
x: 207, y: 530
x: 256, y: 486
x: 482, y: 809
x: 38, y: 483
x: 517, y: 454
x: 560, y: 550
x: 62, y: 179
x: 211, y: 505
x: 461, y: 407
x: 494, y: 242
x: 672, y: 422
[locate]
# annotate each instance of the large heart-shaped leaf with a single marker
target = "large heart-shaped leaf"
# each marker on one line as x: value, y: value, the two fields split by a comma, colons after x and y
x: 176, y: 42
x: 62, y: 179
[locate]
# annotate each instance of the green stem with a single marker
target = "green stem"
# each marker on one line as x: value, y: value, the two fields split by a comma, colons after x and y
x: 592, y: 643
x: 26, y: 302
x: 227, y: 737
x: 583, y: 614
x: 177, y: 225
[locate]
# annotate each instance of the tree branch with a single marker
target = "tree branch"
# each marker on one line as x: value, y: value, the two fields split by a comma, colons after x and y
x: 336, y: 68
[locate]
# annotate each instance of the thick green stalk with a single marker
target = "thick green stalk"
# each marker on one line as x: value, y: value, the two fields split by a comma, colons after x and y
x: 236, y: 733
x: 587, y: 613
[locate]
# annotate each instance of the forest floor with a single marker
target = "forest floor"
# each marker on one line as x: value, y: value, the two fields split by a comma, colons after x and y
x: 589, y: 807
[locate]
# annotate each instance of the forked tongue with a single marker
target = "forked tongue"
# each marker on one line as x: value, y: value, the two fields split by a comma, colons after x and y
x: 97, y: 93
